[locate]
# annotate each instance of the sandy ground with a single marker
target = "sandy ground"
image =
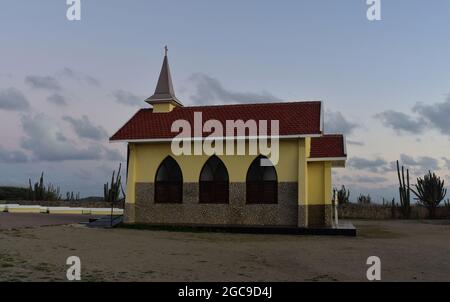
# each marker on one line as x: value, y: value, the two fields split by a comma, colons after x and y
x: 25, y: 220
x: 409, y: 251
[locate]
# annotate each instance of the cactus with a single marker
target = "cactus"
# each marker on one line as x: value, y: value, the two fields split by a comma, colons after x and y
x: 364, y: 199
x: 404, y: 191
x: 341, y: 196
x: 393, y: 207
x: 111, y: 191
x: 447, y: 203
x: 40, y: 192
x: 30, y: 191
x: 430, y: 192
x: 71, y: 197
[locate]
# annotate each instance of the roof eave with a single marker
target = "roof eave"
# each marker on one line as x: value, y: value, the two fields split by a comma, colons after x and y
x: 156, y: 100
x: 169, y: 139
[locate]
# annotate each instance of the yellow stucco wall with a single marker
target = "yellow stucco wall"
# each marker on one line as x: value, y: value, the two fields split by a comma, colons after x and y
x: 163, y: 107
x: 314, y: 178
x: 319, y: 183
x: 150, y: 156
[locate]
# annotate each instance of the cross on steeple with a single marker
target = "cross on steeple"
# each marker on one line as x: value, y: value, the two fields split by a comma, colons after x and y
x: 164, y: 92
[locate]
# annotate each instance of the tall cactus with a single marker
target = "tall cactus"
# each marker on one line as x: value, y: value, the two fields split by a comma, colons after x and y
x: 111, y: 191
x: 447, y: 203
x: 40, y: 192
x: 404, y: 191
x: 342, y: 195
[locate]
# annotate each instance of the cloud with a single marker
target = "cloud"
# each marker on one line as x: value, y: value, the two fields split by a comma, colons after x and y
x: 436, y: 115
x: 113, y: 155
x: 370, y: 179
x: 46, y: 142
x: 363, y: 179
x: 401, y: 122
x: 335, y: 122
x: 355, y: 143
x: 428, y: 117
x: 447, y: 162
x: 127, y: 98
x: 209, y: 90
x: 80, y: 77
x: 424, y: 163
x: 6, y: 75
x: 57, y: 99
x: 83, y: 174
x: 43, y: 82
x: 85, y: 129
x: 374, y: 165
x: 13, y: 100
x: 15, y: 156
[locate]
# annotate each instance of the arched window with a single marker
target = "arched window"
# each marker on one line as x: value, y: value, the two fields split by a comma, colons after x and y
x: 262, y: 182
x: 169, y: 182
x: 214, y: 182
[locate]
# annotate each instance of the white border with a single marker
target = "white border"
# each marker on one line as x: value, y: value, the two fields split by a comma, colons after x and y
x: 327, y: 159
x: 322, y: 130
x: 150, y: 140
x: 207, y: 138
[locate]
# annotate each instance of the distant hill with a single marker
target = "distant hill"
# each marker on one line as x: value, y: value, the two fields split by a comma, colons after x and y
x: 13, y: 193
x: 91, y: 198
x: 18, y: 193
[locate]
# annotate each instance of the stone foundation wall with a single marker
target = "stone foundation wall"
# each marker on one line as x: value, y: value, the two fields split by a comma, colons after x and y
x: 129, y: 214
x: 237, y: 212
x: 285, y: 213
x: 378, y: 211
x: 318, y: 215
x: 65, y: 203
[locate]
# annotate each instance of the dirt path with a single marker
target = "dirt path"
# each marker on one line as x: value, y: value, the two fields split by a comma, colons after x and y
x: 25, y: 220
x: 409, y: 250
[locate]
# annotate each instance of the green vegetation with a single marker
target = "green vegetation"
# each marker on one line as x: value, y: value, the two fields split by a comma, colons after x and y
x: 404, y: 191
x: 13, y: 193
x: 447, y: 203
x: 71, y: 197
x: 390, y: 204
x: 342, y: 195
x: 364, y: 199
x: 40, y: 192
x: 111, y: 192
x: 430, y: 192
x: 36, y: 192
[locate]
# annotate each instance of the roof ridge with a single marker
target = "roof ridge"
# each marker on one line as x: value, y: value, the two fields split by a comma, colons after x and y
x: 331, y: 135
x: 253, y: 104
x: 240, y: 105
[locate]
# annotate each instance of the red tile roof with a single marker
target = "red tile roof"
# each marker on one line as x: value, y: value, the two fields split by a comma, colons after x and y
x: 329, y: 145
x: 295, y: 118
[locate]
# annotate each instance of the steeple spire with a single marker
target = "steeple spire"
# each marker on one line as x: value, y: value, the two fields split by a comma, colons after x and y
x: 164, y: 92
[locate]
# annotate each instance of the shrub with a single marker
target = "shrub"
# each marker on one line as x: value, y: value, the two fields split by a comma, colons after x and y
x: 341, y: 196
x: 14, y: 193
x: 430, y: 192
x: 41, y: 192
x: 364, y: 199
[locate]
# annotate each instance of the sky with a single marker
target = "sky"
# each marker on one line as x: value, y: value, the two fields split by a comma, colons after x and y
x: 66, y: 86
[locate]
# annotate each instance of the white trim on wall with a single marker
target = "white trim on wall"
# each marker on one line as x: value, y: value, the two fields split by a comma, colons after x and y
x: 327, y: 159
x: 187, y: 139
